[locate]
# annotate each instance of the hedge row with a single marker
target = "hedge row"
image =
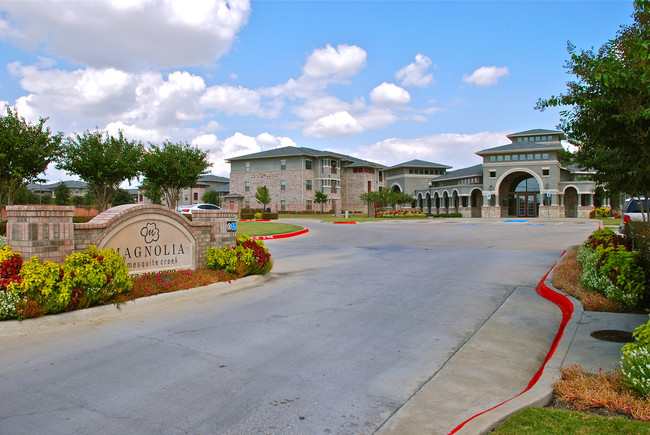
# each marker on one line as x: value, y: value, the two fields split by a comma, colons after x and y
x: 259, y: 215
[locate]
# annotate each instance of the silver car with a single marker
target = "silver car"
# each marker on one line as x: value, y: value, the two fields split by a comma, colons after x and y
x: 188, y: 209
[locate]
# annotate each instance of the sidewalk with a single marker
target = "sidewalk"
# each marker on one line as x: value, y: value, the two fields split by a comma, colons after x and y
x: 487, y: 380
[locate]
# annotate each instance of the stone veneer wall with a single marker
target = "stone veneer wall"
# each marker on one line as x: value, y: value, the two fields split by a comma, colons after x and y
x: 48, y: 232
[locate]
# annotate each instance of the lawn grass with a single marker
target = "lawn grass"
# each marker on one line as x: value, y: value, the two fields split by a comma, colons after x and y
x: 254, y: 229
x: 545, y: 421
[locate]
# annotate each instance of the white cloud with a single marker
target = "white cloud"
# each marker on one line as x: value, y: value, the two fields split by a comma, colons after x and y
x: 389, y: 94
x: 456, y: 150
x: 232, y: 100
x: 236, y: 145
x: 320, y: 106
x: 340, y: 124
x: 486, y: 76
x: 162, y: 33
x: 132, y: 132
x: 335, y: 63
x: 414, y: 74
x: 376, y: 117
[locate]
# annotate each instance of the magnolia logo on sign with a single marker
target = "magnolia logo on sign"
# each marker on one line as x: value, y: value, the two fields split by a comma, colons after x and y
x: 150, y: 233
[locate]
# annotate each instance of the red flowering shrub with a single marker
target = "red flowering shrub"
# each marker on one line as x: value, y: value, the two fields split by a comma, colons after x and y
x: 9, y: 271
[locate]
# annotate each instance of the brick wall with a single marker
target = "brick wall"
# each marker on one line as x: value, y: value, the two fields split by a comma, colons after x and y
x: 47, y: 231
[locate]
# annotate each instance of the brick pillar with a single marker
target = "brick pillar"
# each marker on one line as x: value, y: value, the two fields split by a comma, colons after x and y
x: 44, y: 231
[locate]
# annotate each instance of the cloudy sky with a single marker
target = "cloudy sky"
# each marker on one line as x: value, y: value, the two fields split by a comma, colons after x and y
x: 386, y: 81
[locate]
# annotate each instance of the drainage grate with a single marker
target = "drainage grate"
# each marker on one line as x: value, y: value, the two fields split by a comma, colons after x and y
x: 613, y: 335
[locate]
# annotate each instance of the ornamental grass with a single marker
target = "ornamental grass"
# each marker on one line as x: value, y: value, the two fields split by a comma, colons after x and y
x: 584, y: 391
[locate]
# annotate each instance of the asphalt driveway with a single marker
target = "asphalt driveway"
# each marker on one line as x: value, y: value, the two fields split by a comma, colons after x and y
x: 353, y: 321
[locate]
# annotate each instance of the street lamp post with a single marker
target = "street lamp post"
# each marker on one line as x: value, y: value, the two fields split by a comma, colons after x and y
x: 430, y: 199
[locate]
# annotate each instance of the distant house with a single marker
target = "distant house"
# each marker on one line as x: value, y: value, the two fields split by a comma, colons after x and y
x: 293, y: 175
x: 77, y: 188
x: 408, y: 177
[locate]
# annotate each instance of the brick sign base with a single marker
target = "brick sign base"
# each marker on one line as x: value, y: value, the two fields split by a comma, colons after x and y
x: 149, y: 237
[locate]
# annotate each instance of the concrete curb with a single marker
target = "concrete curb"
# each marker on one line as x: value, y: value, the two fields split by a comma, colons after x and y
x: 101, y: 313
x: 541, y: 392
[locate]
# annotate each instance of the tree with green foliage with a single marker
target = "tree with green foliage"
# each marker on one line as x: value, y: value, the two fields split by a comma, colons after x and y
x: 26, y: 150
x: 172, y: 168
x: 262, y: 196
x: 384, y: 197
x: 152, y: 192
x: 103, y: 161
x: 122, y: 196
x: 608, y: 120
x: 211, y: 197
x: 62, y: 194
x: 320, y: 198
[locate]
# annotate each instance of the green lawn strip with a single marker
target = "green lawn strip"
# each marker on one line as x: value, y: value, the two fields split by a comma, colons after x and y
x: 254, y: 229
x: 545, y: 421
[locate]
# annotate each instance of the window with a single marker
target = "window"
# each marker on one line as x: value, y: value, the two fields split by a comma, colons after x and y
x: 529, y: 157
x: 307, y: 164
x: 196, y: 196
x: 518, y: 139
x: 283, y: 185
x: 546, y: 172
x: 247, y: 186
x: 248, y: 166
x: 525, y: 139
x: 522, y: 157
x: 499, y: 158
x: 538, y: 157
x: 536, y: 138
x: 493, y: 158
x: 283, y: 204
x: 308, y: 204
x: 247, y: 204
x: 493, y: 174
x: 308, y: 185
x: 506, y: 158
x: 515, y: 157
x: 283, y: 165
x: 545, y: 156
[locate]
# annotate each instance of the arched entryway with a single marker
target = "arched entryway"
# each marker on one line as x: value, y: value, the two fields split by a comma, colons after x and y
x: 519, y: 195
x: 571, y: 202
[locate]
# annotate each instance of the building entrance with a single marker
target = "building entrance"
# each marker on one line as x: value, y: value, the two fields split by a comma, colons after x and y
x: 526, y: 204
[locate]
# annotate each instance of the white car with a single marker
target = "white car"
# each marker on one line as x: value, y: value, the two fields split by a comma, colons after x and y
x: 188, y: 209
x: 632, y: 211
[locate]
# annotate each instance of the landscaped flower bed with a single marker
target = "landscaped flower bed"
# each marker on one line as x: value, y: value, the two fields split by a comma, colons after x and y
x: 399, y: 213
x: 98, y: 277
x: 610, y: 272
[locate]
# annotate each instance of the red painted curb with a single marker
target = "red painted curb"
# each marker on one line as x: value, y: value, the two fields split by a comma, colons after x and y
x: 567, y: 311
x: 281, y: 236
x: 341, y: 223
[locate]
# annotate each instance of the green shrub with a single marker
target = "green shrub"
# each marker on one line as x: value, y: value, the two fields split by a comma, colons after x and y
x: 635, y: 361
x: 613, y: 272
x: 3, y: 228
x: 81, y: 219
x: 248, y: 257
x: 86, y: 278
x: 269, y: 215
x: 258, y: 215
x: 638, y: 236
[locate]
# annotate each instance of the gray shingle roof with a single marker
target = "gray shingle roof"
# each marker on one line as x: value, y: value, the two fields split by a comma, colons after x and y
x: 420, y: 164
x: 213, y: 179
x: 462, y: 173
x: 537, y: 132
x: 292, y: 151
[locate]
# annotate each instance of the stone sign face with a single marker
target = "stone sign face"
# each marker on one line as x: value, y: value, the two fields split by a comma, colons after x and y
x: 152, y: 242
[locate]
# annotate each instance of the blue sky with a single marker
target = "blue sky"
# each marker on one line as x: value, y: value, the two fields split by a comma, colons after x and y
x: 386, y: 81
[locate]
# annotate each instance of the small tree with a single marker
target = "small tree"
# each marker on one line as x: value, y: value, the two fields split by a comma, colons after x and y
x: 262, y: 196
x: 103, y: 161
x: 211, y: 197
x: 25, y: 152
x: 172, y: 168
x: 320, y: 198
x: 62, y: 194
x: 383, y: 197
x: 122, y: 196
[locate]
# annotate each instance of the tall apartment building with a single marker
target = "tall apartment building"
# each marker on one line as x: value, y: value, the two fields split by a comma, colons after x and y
x: 293, y: 175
